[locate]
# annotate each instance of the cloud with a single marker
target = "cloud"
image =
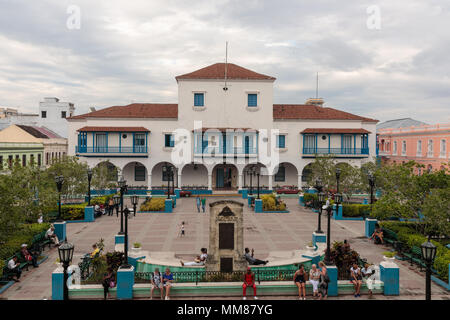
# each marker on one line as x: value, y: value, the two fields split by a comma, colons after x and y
x: 131, y: 51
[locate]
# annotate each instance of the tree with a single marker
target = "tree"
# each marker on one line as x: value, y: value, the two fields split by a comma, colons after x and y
x: 74, y: 173
x: 424, y: 198
x: 105, y: 176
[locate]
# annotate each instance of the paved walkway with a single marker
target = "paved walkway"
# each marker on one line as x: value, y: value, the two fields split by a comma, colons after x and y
x: 263, y: 232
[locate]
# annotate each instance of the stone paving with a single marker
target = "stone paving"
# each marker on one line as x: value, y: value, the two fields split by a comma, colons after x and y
x: 263, y: 232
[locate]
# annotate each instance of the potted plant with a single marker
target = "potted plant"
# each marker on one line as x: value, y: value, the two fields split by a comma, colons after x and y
x: 389, y: 256
x: 310, y: 247
x: 136, y: 247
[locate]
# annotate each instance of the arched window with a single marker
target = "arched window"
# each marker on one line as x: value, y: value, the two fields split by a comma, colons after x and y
x: 419, y: 148
x: 395, y: 148
x: 443, y: 152
x: 430, y: 148
x: 403, y: 148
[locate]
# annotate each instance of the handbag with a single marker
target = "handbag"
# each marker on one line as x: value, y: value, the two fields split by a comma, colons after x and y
x: 112, y: 284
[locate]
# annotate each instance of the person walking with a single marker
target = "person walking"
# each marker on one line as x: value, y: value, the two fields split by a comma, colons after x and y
x: 198, y: 203
x: 182, y: 229
x: 108, y: 282
x: 203, y: 203
x: 110, y: 207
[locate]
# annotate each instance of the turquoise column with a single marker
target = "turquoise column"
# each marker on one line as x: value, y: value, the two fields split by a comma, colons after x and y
x: 60, y: 230
x: 390, y: 275
x: 125, y: 283
x: 89, y: 214
x: 369, y: 227
x: 58, y: 284
x: 258, y: 206
x: 333, y: 284
x: 168, y: 205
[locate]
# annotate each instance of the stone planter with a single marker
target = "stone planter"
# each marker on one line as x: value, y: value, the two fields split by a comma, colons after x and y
x: 310, y: 250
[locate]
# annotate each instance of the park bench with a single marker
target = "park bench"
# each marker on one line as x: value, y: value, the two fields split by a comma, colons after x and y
x: 415, y: 255
x: 85, y: 265
x: 389, y: 237
x: 39, y: 241
x: 7, y: 274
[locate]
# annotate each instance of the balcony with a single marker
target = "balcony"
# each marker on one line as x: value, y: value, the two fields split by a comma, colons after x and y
x: 138, y: 151
x: 213, y: 151
x: 338, y: 152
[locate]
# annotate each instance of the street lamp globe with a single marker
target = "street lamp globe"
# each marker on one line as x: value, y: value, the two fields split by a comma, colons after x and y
x: 65, y: 252
x: 338, y: 173
x: 121, y: 182
x: 428, y: 251
x: 59, y: 182
x: 134, y: 199
x: 338, y: 198
x: 89, y: 174
x: 321, y: 196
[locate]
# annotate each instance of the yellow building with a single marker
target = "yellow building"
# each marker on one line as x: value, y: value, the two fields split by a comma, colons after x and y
x: 30, y: 144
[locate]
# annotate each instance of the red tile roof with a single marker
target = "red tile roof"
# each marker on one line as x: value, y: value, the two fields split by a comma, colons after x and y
x: 334, y: 130
x: 114, y: 129
x: 311, y: 112
x: 134, y: 110
x: 217, y: 71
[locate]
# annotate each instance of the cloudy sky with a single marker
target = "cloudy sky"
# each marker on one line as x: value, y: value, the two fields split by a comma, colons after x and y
x: 130, y: 51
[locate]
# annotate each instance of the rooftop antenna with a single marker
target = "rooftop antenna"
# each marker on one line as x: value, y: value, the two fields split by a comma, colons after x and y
x: 226, y: 66
x: 317, y: 86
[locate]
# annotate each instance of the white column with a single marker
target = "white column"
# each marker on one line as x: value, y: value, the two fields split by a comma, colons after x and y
x: 270, y: 177
x: 149, y: 182
x: 240, y: 181
x: 299, y: 181
x: 179, y: 179
x: 209, y: 181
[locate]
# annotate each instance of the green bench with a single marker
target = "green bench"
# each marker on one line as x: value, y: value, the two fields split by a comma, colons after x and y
x: 389, y: 236
x: 415, y: 255
x: 39, y: 241
x: 7, y: 274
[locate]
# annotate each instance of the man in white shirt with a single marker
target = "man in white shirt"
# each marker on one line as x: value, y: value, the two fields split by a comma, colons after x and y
x: 369, y: 276
x: 13, y: 266
x: 50, y: 234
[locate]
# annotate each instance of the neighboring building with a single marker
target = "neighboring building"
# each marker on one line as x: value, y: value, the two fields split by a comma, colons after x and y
x: 218, y: 129
x: 400, y: 123
x: 52, y: 115
x: 425, y: 144
x: 31, y: 143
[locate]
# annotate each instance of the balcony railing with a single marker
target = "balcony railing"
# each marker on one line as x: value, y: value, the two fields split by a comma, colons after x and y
x: 107, y: 149
x: 231, y: 150
x: 337, y: 151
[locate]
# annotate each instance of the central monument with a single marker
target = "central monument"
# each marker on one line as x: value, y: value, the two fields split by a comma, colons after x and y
x: 226, y: 237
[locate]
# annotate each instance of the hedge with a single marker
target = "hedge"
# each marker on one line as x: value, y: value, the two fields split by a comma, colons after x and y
x: 355, y: 210
x: 408, y: 235
x: 155, y: 204
x: 101, y: 199
x: 307, y: 197
x: 269, y: 203
x: 24, y: 235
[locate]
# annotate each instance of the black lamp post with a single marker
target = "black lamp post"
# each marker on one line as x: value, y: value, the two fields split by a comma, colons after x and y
x: 65, y: 251
x: 89, y: 175
x: 167, y: 170
x: 123, y: 188
x: 116, y: 200
x: 258, y: 174
x: 372, y: 185
x: 134, y: 202
x: 59, y: 183
x: 327, y: 259
x: 428, y: 255
x: 320, y: 200
x: 338, y: 175
x: 125, y: 264
x: 250, y: 172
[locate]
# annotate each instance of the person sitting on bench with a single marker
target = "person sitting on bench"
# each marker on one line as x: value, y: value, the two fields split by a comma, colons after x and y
x: 249, y: 281
x: 50, y: 234
x: 28, y: 256
x: 199, y: 261
x: 251, y: 260
x: 14, y: 268
x: 377, y: 235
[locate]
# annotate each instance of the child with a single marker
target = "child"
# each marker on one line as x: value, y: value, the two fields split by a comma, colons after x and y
x: 182, y: 229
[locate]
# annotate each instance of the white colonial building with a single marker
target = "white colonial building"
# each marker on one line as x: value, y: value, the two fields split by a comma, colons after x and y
x: 224, y: 123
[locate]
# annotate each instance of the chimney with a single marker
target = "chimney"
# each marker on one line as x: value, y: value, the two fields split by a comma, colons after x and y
x: 315, y: 102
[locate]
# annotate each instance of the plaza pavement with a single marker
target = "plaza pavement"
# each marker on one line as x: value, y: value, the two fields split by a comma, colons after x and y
x: 263, y: 232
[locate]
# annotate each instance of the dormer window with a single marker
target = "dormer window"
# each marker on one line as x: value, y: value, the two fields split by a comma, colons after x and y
x: 252, y: 100
x: 199, y: 99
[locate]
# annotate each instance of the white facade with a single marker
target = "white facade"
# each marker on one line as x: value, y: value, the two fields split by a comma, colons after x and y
x: 221, y: 109
x: 52, y: 114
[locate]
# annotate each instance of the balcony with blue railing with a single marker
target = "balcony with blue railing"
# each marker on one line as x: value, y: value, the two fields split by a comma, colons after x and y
x: 231, y: 151
x: 110, y: 150
x: 340, y: 152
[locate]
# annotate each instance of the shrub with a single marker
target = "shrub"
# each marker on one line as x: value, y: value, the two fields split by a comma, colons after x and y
x: 442, y: 261
x: 154, y: 204
x: 2, y: 265
x: 309, y: 197
x: 101, y: 200
x: 270, y: 203
x: 355, y: 210
x: 73, y: 212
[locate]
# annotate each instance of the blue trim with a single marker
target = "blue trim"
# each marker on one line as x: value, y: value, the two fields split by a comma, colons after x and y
x: 329, y: 142
x: 354, y: 143
x: 120, y: 141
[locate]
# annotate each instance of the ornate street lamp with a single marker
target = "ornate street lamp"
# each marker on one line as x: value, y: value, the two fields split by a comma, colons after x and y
x: 257, y: 174
x: 59, y: 183
x: 123, y: 188
x: 134, y: 202
x: 65, y: 251
x: 125, y: 264
x: 167, y: 170
x: 428, y: 255
x: 372, y: 185
x: 250, y: 173
x: 89, y: 175
x: 320, y: 200
x: 116, y: 199
x: 327, y: 259
x: 338, y: 176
